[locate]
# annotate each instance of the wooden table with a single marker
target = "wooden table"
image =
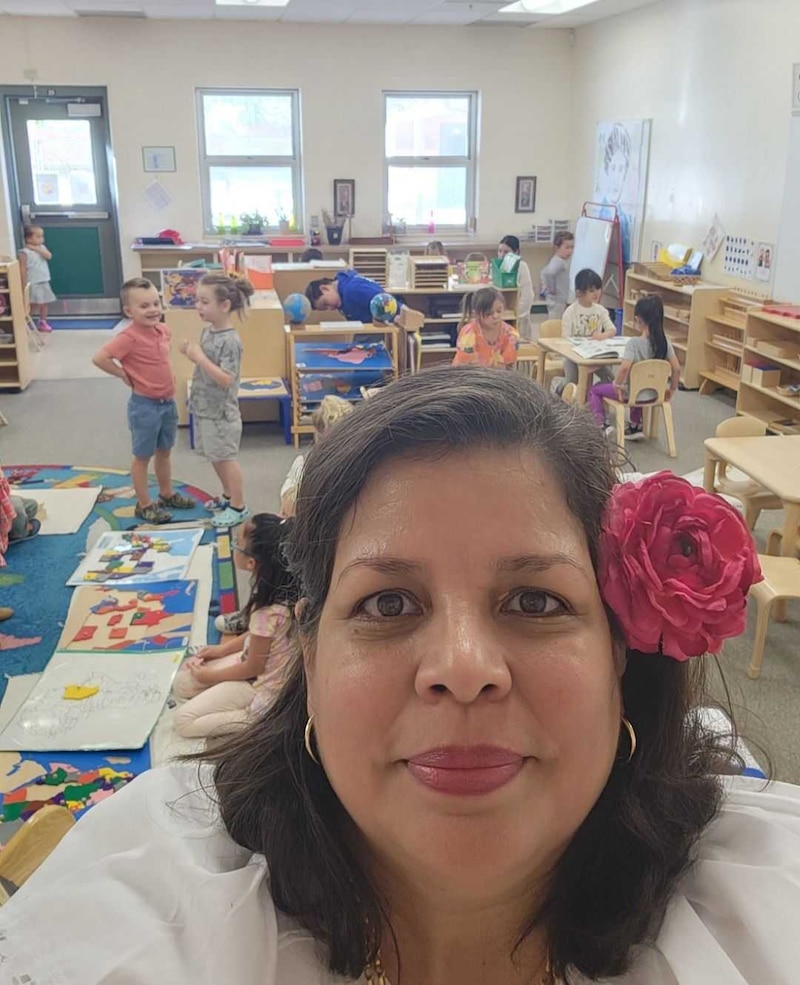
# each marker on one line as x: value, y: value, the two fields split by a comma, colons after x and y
x: 586, y: 367
x: 774, y: 462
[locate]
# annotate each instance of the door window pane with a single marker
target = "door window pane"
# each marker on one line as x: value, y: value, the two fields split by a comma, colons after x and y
x: 235, y: 191
x: 427, y: 126
x: 248, y: 124
x: 62, y: 164
x: 416, y: 192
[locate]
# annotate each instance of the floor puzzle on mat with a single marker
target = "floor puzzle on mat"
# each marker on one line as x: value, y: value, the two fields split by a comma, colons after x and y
x: 138, y: 619
x: 132, y: 557
x: 93, y: 701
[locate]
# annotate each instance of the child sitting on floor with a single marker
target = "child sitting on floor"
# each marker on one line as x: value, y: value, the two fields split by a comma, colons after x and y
x: 230, y: 683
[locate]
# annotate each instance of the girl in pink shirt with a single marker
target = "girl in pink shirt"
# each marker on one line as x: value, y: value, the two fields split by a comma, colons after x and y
x: 230, y: 683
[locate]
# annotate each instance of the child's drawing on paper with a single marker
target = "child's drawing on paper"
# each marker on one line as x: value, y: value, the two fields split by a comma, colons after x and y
x: 138, y: 619
x: 135, y: 557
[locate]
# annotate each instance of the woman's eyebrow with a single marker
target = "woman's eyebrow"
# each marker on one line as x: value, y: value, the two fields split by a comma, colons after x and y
x: 380, y: 562
x: 536, y: 562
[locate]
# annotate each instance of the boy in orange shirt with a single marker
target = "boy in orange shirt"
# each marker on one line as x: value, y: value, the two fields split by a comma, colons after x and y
x: 139, y: 355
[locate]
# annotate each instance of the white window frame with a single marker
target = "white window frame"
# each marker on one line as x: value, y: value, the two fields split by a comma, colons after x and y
x: 470, y: 161
x: 294, y: 160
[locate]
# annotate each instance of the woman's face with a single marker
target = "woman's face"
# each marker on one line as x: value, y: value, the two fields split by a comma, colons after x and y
x: 463, y: 681
x: 503, y: 250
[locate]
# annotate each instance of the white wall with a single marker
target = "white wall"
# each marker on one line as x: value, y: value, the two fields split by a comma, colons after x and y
x: 152, y: 67
x: 715, y: 78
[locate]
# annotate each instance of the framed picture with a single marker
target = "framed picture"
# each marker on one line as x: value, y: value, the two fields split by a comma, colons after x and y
x: 344, y: 196
x: 526, y: 194
x: 158, y: 158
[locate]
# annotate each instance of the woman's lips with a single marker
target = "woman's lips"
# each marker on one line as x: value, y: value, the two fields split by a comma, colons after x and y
x: 465, y: 770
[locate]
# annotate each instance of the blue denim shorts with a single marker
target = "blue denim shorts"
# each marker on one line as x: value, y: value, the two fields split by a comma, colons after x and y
x: 153, y: 424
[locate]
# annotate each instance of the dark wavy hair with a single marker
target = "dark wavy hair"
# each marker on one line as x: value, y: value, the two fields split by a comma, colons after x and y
x: 272, y: 583
x: 650, y: 309
x: 609, y: 891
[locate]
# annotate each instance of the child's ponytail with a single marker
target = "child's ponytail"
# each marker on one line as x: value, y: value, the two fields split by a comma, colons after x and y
x: 650, y: 310
x: 235, y: 290
x: 272, y: 583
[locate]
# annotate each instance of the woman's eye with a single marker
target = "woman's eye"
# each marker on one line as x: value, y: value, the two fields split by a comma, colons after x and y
x: 387, y: 605
x: 533, y: 602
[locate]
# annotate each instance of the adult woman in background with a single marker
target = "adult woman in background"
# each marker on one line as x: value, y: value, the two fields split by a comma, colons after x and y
x: 486, y: 768
x: 526, y: 296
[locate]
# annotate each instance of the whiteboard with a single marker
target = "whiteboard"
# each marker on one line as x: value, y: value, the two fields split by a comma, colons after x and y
x: 787, y: 261
x: 592, y: 242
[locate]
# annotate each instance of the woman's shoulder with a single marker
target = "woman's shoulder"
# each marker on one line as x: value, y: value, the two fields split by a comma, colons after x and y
x: 732, y: 920
x: 119, y: 899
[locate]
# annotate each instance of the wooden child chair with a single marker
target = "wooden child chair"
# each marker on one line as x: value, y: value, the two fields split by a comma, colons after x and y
x: 552, y: 365
x: 30, y: 846
x: 781, y: 582
x: 753, y: 496
x: 649, y: 374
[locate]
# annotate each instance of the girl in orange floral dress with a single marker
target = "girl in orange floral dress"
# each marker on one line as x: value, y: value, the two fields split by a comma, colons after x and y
x: 486, y: 340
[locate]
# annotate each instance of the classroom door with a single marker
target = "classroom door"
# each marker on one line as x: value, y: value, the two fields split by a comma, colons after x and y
x: 61, y: 176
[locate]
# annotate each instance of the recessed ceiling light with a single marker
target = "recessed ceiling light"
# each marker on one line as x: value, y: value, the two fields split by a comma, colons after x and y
x: 550, y: 8
x: 252, y: 3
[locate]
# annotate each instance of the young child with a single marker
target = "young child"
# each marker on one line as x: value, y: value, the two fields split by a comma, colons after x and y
x: 510, y: 244
x: 486, y: 340
x: 230, y: 683
x: 652, y: 343
x: 139, y: 355
x: 586, y: 318
x: 555, y: 276
x: 215, y: 390
x: 349, y: 293
x: 35, y: 270
x: 435, y: 249
x: 323, y: 417
x: 311, y: 254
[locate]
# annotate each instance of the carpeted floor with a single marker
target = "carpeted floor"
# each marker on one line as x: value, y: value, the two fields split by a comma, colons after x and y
x: 33, y: 583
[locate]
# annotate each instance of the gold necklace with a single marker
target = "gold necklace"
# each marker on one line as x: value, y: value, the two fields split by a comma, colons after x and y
x: 375, y: 975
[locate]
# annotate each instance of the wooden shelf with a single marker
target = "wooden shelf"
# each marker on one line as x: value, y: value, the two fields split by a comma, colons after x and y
x: 727, y: 322
x: 680, y: 346
x: 725, y: 348
x: 792, y: 402
x: 789, y: 363
x: 723, y: 377
x: 15, y: 354
x: 665, y: 285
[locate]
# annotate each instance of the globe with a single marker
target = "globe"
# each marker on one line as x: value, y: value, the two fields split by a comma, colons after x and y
x: 297, y: 308
x: 383, y: 307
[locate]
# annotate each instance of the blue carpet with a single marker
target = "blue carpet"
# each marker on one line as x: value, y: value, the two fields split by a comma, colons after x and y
x: 76, y: 324
x: 33, y: 583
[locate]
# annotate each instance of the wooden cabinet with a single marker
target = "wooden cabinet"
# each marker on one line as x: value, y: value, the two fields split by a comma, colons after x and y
x: 15, y: 360
x: 686, y: 309
x: 771, y: 365
x: 723, y: 341
x: 261, y: 332
x: 316, y: 370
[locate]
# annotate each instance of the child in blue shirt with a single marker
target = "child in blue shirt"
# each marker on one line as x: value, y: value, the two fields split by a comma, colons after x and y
x: 349, y: 293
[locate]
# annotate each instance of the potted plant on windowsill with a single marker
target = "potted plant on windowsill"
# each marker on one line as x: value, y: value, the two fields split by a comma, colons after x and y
x: 252, y: 225
x: 333, y: 228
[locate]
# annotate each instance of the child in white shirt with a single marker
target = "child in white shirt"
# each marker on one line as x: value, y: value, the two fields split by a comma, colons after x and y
x: 586, y: 318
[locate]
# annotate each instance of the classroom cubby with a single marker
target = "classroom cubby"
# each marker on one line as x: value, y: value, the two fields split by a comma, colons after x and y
x: 771, y: 360
x: 15, y: 371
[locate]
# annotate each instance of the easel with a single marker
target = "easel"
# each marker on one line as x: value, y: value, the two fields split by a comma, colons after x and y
x: 614, y: 274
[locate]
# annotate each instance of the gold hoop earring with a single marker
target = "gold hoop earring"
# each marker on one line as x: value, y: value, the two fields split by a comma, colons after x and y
x: 631, y: 736
x: 309, y: 746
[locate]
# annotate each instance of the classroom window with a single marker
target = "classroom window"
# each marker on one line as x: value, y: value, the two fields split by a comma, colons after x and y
x: 250, y: 155
x: 429, y: 147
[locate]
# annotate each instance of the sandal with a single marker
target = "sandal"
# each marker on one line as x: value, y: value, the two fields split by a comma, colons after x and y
x: 177, y: 501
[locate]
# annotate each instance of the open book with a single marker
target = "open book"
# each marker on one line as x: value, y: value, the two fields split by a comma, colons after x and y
x: 600, y: 348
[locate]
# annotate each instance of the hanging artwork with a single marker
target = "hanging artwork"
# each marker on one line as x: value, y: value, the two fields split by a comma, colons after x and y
x: 766, y: 258
x: 739, y: 259
x: 622, y: 152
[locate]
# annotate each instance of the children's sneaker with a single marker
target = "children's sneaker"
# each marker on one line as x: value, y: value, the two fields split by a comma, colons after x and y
x: 177, y: 501
x: 43, y: 326
x: 217, y: 504
x: 611, y: 433
x: 234, y: 624
x: 152, y: 513
x: 633, y: 432
x: 230, y: 517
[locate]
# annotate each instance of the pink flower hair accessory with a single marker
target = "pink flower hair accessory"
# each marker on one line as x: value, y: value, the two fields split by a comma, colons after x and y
x: 676, y: 564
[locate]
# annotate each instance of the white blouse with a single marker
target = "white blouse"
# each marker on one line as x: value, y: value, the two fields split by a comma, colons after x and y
x: 148, y: 889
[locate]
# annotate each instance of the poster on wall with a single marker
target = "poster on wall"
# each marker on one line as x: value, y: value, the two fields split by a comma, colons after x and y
x: 765, y: 259
x: 713, y: 238
x: 739, y: 259
x: 622, y: 152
